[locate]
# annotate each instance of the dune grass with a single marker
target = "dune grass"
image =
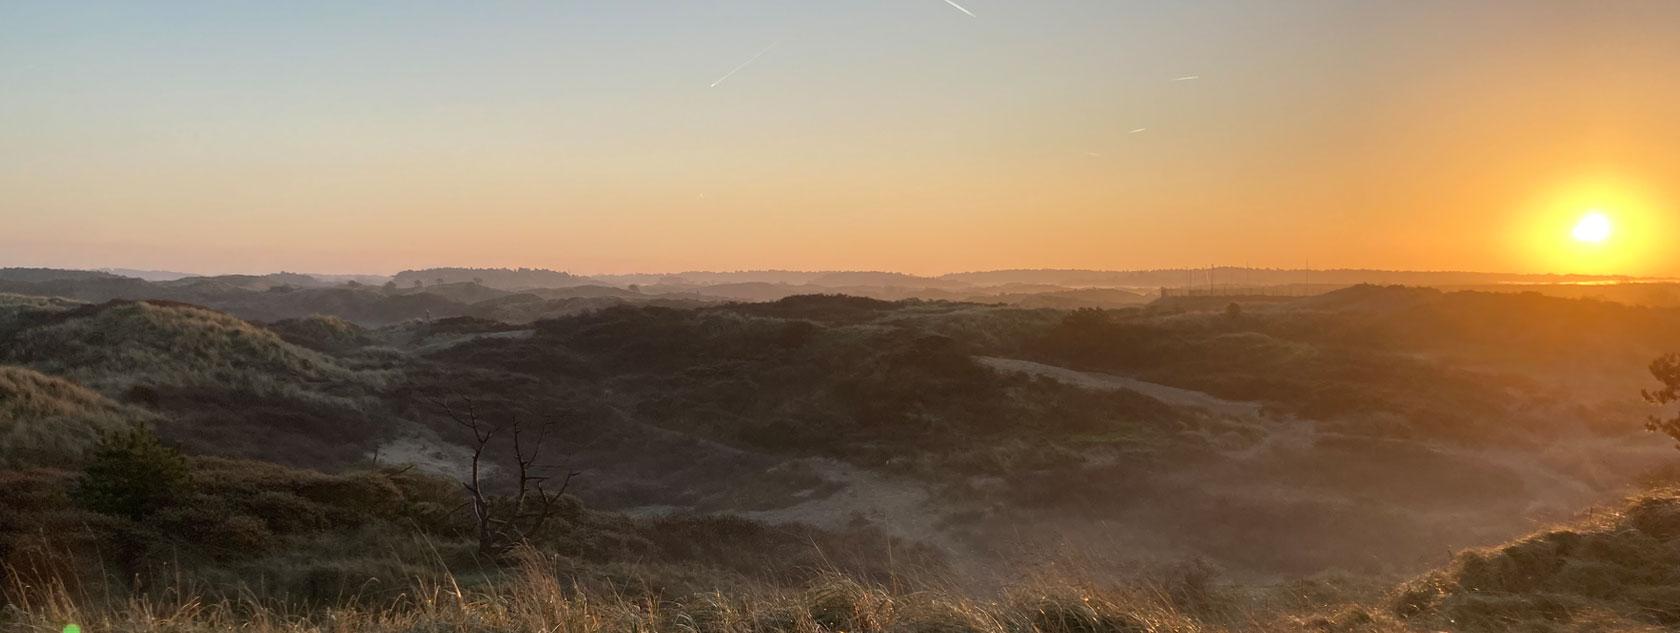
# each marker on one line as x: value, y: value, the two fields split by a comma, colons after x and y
x: 1618, y: 569
x: 46, y: 420
x: 112, y: 346
x: 531, y: 596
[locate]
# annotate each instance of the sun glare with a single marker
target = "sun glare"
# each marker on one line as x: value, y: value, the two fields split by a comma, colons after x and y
x: 1597, y: 224
x: 1594, y: 228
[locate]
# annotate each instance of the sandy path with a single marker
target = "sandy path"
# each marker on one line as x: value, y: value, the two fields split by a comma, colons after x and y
x: 1109, y: 382
x: 899, y: 506
x: 422, y: 448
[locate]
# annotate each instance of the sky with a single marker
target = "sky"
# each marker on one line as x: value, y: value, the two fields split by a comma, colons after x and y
x: 639, y: 136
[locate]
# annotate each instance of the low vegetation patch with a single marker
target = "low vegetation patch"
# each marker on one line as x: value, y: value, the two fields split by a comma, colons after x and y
x: 1622, y: 566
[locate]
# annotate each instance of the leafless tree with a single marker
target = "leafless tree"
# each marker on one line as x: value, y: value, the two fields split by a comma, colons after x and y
x: 501, y: 523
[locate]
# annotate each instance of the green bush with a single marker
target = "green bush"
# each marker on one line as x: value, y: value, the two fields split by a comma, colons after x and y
x: 132, y: 475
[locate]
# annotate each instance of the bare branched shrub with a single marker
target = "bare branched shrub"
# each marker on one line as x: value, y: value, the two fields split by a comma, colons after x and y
x: 502, y: 522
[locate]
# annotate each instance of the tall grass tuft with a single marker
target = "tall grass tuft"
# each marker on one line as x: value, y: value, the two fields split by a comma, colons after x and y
x: 531, y: 596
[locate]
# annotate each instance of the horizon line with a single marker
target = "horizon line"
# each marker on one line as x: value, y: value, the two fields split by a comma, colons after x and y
x: 1344, y: 269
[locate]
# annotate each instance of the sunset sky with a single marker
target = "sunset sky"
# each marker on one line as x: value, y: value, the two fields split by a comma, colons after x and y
x: 866, y: 134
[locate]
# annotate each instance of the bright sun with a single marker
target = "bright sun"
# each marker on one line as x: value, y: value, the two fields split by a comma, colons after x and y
x: 1594, y: 228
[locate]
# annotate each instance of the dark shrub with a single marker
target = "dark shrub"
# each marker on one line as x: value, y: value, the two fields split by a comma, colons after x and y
x: 132, y: 475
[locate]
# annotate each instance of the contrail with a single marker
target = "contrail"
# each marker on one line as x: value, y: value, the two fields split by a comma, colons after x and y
x: 1138, y: 130
x: 1187, y: 78
x: 960, y: 8
x: 743, y: 65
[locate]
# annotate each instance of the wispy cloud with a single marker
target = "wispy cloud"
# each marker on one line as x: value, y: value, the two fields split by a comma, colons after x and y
x: 1187, y: 78
x: 1139, y: 130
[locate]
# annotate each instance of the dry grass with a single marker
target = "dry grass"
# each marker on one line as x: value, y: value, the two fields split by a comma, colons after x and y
x: 1617, y: 571
x: 538, y: 592
x: 110, y: 347
x: 46, y: 420
x: 535, y: 598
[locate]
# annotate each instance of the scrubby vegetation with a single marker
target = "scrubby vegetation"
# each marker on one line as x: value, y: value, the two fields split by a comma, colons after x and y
x: 229, y: 526
x: 132, y: 475
x: 1475, y: 368
x: 845, y: 386
x: 1612, y: 572
x: 815, y: 463
x: 1616, y: 571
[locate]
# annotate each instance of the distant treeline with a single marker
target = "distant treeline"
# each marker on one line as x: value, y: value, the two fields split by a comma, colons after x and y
x: 504, y: 278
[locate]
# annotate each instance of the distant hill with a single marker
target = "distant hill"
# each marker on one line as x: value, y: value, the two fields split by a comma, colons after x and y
x: 257, y: 298
x: 1641, y: 293
x: 371, y: 280
x: 296, y: 278
x: 148, y: 275
x: 500, y: 278
x: 708, y: 278
x: 1240, y: 276
x: 250, y: 282
x: 459, y: 291
x: 887, y: 279
x: 745, y: 291
x: 1528, y: 327
x: 524, y: 295
x: 1065, y: 299
x: 39, y: 275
